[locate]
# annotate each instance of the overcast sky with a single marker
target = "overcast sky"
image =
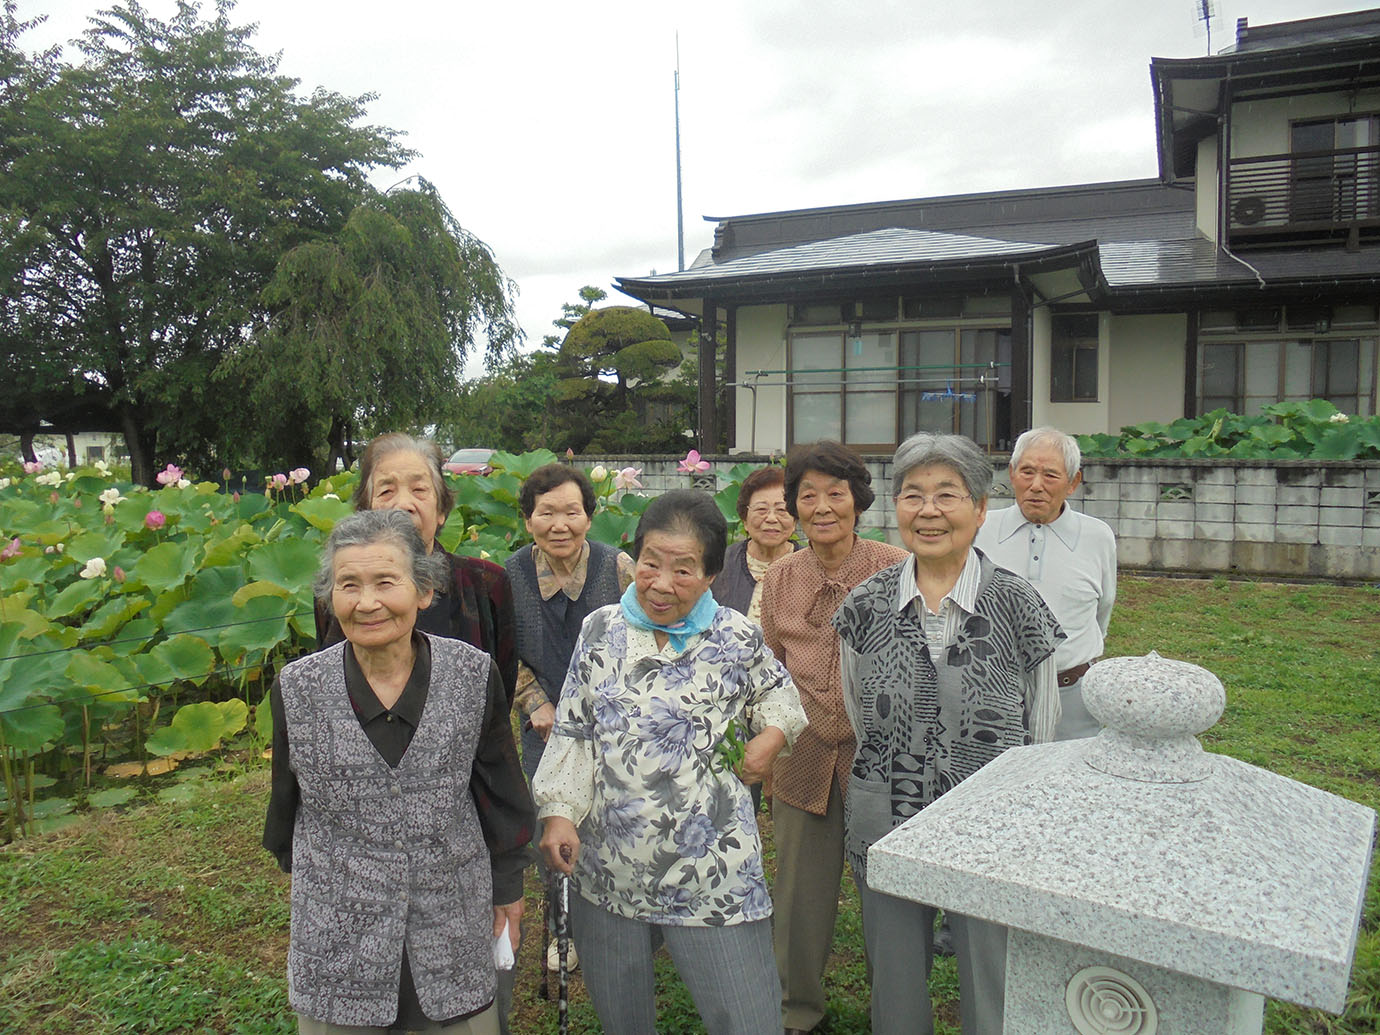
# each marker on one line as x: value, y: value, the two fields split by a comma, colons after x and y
x: 548, y: 126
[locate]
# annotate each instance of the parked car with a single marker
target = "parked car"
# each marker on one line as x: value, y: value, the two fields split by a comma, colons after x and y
x: 470, y: 461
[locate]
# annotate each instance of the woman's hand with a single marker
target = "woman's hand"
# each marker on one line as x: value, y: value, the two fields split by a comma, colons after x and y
x: 511, y: 914
x: 560, y: 844
x: 543, y: 719
x: 760, y: 753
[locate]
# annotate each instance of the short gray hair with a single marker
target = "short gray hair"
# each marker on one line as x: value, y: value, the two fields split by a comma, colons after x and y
x: 367, y: 527
x: 1066, y: 444
x: 956, y: 451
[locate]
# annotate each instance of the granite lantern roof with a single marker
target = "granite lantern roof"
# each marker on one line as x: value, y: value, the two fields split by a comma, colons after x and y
x: 1140, y: 844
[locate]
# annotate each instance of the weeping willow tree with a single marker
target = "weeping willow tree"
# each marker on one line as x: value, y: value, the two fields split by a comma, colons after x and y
x: 369, y: 329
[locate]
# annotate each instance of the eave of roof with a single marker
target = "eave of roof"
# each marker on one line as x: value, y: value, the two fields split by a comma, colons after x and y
x: 875, y: 258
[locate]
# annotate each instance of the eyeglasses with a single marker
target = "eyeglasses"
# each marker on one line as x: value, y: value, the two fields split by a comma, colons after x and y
x: 943, y: 501
x: 762, y: 510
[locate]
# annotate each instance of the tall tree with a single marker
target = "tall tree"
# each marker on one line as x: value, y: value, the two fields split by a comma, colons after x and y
x: 369, y: 328
x: 147, y: 195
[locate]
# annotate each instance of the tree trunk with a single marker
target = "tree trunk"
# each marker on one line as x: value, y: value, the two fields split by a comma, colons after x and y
x: 71, y: 451
x: 335, y: 447
x: 26, y: 447
x: 140, y: 442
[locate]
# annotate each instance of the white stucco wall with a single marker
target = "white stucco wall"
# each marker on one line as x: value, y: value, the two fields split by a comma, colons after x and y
x: 1205, y: 188
x: 1075, y: 418
x: 1145, y: 369
x: 761, y: 338
x: 1262, y: 127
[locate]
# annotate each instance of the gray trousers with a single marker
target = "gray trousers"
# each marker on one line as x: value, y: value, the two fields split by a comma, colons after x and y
x: 899, y: 937
x: 1075, y: 721
x: 729, y: 971
x: 485, y: 1023
x: 805, y: 901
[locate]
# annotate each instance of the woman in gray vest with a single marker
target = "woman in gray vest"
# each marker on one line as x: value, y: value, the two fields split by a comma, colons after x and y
x: 397, y: 802
x: 557, y: 582
x: 947, y: 661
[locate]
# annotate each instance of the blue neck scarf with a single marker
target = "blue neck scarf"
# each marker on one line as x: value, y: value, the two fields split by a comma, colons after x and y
x: 679, y: 634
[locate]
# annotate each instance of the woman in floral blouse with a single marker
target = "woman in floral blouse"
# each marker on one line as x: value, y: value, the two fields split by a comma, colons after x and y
x: 640, y: 804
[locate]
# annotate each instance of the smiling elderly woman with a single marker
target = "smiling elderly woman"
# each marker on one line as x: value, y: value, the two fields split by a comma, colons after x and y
x: 393, y: 770
x: 947, y: 661
x: 660, y: 834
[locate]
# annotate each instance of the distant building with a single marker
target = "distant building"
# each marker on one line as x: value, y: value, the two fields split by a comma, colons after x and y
x: 1232, y: 283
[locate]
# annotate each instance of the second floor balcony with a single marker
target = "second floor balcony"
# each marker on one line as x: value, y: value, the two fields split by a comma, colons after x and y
x: 1304, y: 197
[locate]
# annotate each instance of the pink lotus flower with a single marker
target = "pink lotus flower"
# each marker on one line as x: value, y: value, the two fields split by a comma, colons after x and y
x: 280, y: 481
x: 298, y: 475
x: 33, y: 466
x: 627, y: 478
x: 692, y: 464
x: 155, y: 519
x: 10, y: 551
x: 170, y: 475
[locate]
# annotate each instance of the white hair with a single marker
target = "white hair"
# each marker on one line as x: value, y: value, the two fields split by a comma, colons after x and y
x: 1066, y: 444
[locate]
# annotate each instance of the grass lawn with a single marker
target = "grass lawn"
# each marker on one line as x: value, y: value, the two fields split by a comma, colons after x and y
x: 171, y: 918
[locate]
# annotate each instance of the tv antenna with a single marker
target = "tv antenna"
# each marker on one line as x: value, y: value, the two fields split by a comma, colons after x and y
x: 1205, y: 11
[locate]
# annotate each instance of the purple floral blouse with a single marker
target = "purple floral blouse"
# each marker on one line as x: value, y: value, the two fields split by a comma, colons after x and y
x: 667, y: 836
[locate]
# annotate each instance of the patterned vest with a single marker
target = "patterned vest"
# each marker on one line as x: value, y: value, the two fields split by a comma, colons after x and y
x: 548, y: 629
x: 930, y: 722
x: 385, y: 856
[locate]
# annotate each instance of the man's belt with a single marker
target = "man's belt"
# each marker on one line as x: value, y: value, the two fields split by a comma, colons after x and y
x: 1072, y: 675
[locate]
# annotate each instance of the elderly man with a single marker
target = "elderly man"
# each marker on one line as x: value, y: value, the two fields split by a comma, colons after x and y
x: 1068, y: 557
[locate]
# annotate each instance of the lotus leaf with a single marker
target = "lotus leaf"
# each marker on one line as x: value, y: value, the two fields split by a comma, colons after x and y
x: 76, y: 596
x: 166, y: 565
x: 187, y: 657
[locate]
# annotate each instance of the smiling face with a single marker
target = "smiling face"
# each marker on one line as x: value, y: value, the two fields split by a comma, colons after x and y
x: 1041, y: 483
x: 403, y: 481
x: 825, y: 507
x: 559, y: 523
x: 938, y: 537
x: 768, y: 522
x: 373, y: 595
x: 669, y: 577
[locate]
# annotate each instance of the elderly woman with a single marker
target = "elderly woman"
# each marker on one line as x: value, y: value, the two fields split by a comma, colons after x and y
x: 473, y: 603
x: 397, y: 802
x: 947, y: 661
x: 827, y: 487
x: 638, y: 801
x: 557, y: 583
x: 769, y: 526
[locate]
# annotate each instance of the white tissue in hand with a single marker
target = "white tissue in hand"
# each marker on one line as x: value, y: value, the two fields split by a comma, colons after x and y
x: 503, y: 950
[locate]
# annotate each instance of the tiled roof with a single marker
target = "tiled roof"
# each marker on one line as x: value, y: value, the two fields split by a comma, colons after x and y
x: 1133, y: 264
x: 890, y: 247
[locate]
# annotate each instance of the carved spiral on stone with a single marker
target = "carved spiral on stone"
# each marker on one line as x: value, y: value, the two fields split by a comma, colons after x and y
x: 1103, y: 1001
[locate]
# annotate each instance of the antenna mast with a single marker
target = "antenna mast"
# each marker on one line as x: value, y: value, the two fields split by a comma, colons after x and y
x: 1203, y: 11
x: 680, y: 209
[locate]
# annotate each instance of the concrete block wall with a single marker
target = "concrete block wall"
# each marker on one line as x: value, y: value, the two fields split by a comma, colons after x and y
x: 1287, y: 518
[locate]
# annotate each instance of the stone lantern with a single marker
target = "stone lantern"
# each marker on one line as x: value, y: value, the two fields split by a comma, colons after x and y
x: 1151, y: 888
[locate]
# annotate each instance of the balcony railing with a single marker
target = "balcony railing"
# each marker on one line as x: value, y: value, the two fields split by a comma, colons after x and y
x: 1304, y: 196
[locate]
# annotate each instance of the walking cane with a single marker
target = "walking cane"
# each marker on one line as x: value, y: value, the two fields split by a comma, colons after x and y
x: 545, y: 990
x: 563, y: 947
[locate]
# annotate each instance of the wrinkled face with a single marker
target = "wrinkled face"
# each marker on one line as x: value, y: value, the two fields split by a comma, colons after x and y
x: 937, y: 518
x: 373, y: 595
x: 403, y: 481
x: 1041, y: 483
x: 768, y: 522
x: 669, y: 577
x: 559, y: 523
x: 825, y: 507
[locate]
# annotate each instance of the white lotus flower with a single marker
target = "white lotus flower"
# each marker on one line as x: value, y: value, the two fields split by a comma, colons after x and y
x: 94, y: 569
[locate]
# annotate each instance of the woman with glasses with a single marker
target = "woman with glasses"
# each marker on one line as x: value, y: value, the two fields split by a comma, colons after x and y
x: 947, y: 661
x: 769, y: 525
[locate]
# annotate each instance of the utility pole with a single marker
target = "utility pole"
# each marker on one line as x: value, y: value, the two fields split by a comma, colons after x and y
x: 680, y: 209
